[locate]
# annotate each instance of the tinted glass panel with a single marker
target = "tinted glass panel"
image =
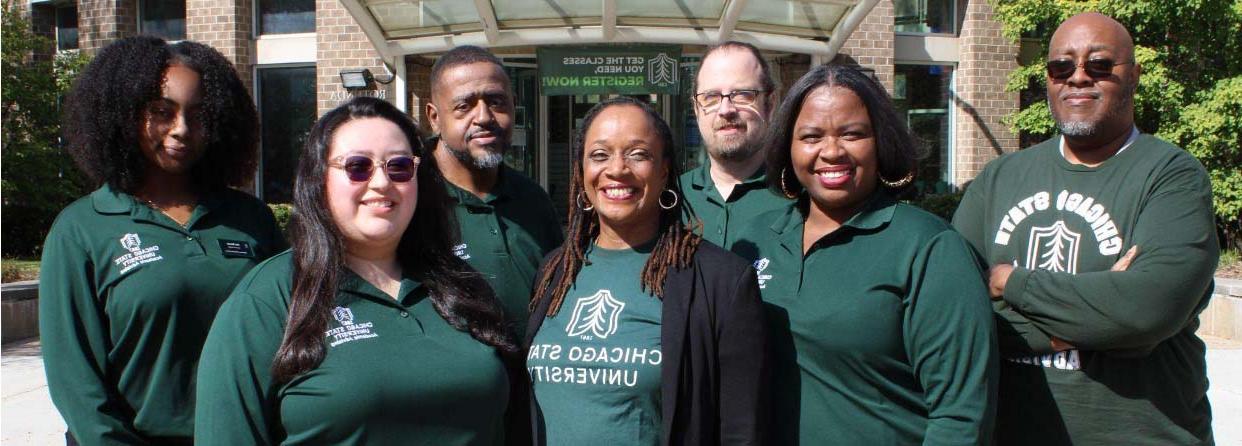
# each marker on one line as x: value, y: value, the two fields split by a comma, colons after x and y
x: 924, y: 16
x: 286, y: 16
x: 922, y: 94
x: 163, y: 18
x: 67, y: 28
x: 287, y: 103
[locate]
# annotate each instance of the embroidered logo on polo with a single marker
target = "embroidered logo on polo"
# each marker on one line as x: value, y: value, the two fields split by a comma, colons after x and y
x: 595, y: 316
x: 1057, y: 247
x: 348, y: 331
x: 759, y: 266
x: 460, y: 251
x: 137, y: 255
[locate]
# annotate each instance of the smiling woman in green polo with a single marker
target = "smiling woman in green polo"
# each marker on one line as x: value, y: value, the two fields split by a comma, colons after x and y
x: 133, y: 274
x: 881, y: 330
x: 640, y: 333
x: 370, y: 331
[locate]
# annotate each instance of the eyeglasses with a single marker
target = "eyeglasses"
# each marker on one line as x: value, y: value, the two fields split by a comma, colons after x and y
x: 358, y: 168
x: 711, y: 99
x: 1096, y: 68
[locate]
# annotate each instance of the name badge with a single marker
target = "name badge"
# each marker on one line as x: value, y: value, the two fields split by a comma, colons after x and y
x: 236, y: 248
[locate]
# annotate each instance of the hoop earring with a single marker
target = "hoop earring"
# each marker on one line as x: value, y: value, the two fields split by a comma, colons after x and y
x: 579, y: 201
x: 899, y: 183
x: 676, y: 199
x: 785, y: 190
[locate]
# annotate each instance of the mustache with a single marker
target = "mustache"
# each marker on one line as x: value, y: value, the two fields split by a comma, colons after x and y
x: 493, y: 129
x: 1092, y: 94
x: 720, y: 124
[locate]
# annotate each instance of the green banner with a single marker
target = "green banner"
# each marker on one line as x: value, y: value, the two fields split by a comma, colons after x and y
x: 609, y: 69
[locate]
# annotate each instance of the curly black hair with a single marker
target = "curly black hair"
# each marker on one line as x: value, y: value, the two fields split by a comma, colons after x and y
x: 104, y: 113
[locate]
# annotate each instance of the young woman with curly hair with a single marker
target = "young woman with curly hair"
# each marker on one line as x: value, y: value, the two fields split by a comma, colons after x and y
x: 133, y: 274
x: 641, y: 333
x: 370, y: 330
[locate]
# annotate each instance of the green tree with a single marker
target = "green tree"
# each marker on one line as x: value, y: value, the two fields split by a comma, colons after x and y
x: 1190, y: 90
x: 37, y: 178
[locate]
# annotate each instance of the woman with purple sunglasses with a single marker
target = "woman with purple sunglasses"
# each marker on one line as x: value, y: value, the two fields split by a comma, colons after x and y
x: 370, y: 331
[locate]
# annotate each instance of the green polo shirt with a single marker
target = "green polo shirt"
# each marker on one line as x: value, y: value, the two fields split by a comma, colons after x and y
x: 126, y: 296
x: 600, y: 356
x: 724, y: 219
x: 394, y: 372
x: 881, y: 334
x: 505, y: 235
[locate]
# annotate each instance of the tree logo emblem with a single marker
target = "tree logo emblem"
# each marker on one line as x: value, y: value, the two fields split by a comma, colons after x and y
x: 662, y: 70
x: 1053, y: 248
x: 595, y: 316
x: 343, y: 315
x: 131, y: 242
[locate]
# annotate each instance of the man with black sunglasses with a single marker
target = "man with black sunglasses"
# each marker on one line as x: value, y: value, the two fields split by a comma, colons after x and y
x: 507, y: 221
x: 1103, y: 246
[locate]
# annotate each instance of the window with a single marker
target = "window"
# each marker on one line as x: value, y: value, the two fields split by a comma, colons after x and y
x: 287, y: 110
x: 925, y: 16
x: 922, y: 93
x: 162, y: 18
x: 286, y: 16
x: 67, y: 28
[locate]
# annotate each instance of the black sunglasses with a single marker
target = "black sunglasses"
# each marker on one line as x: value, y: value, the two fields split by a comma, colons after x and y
x: 1096, y: 68
x: 359, y: 168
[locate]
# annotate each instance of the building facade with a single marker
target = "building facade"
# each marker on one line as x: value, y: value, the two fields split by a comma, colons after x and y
x: 944, y: 62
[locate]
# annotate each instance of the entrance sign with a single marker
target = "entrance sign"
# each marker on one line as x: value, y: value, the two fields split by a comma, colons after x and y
x: 609, y: 69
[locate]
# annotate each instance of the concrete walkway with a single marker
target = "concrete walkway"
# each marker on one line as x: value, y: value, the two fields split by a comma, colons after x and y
x: 27, y: 416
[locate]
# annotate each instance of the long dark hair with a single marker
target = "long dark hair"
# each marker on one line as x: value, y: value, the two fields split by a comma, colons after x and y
x: 459, y: 294
x: 106, y: 107
x: 676, y: 241
x: 896, y: 148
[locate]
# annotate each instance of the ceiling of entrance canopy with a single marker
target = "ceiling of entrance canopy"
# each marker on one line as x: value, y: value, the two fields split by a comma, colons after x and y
x: 399, y: 27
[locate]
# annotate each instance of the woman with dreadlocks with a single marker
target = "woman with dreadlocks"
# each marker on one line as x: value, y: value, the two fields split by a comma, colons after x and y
x: 639, y: 332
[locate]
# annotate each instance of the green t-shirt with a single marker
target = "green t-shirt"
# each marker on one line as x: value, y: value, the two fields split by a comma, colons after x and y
x: 1137, y: 376
x: 724, y: 219
x: 881, y: 334
x: 505, y: 235
x: 394, y: 372
x: 126, y: 296
x: 595, y: 365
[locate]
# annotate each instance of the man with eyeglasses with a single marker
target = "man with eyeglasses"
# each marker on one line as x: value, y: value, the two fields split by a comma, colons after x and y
x: 1103, y: 246
x: 507, y: 221
x: 734, y: 97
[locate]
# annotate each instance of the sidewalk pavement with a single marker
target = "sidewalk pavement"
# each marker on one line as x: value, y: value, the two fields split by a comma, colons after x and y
x: 27, y: 416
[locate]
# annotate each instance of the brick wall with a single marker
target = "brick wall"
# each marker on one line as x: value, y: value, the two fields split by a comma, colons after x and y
x: 871, y: 44
x: 418, y: 85
x: 102, y: 21
x: 341, y: 44
x: 987, y: 58
x: 225, y: 25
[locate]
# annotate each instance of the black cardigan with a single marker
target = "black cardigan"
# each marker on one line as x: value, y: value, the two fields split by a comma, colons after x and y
x: 713, y: 322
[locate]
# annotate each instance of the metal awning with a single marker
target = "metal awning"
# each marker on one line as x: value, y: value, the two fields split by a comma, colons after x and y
x: 401, y: 27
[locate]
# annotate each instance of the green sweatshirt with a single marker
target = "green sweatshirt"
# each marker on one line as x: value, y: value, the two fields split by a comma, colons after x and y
x: 126, y: 296
x: 724, y: 219
x: 600, y: 355
x: 1137, y: 376
x: 505, y: 235
x: 394, y: 372
x: 881, y: 334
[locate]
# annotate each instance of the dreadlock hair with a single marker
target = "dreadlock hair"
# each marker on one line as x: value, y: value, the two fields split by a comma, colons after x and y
x: 425, y: 251
x: 676, y: 242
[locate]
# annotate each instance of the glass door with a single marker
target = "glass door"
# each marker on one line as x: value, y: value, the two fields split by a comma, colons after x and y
x: 565, y: 116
